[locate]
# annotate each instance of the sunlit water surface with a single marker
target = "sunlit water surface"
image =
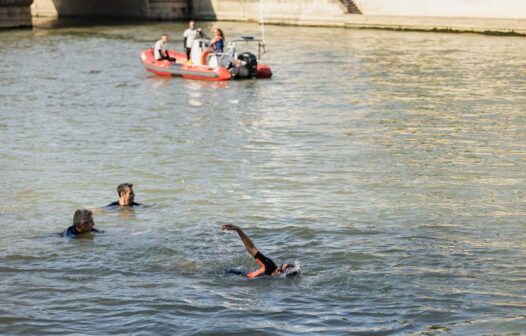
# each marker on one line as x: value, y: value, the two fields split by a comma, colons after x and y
x: 390, y: 165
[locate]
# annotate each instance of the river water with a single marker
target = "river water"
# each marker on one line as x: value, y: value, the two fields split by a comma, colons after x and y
x: 389, y: 165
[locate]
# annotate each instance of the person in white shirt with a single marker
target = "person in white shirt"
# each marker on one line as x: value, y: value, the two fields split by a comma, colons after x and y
x: 160, y: 50
x: 189, y: 36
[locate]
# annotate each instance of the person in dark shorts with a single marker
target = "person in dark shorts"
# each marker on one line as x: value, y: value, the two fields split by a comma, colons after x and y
x: 268, y: 267
x: 160, y: 50
x: 126, y: 196
x: 189, y: 36
x: 82, y: 223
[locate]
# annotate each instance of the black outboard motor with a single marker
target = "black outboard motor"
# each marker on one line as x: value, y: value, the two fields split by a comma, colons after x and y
x: 247, y: 66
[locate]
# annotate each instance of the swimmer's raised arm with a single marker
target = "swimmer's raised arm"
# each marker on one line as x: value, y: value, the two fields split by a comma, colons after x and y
x: 249, y: 245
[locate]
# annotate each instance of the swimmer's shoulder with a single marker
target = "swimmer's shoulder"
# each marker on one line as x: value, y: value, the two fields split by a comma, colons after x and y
x: 70, y: 232
x: 112, y: 204
x: 116, y: 205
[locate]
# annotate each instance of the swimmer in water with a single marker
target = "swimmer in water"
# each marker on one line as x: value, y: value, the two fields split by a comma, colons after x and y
x: 82, y: 223
x: 126, y: 196
x: 268, y: 267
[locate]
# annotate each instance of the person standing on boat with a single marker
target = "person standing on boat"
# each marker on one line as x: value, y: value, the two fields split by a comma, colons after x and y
x: 160, y: 50
x: 189, y: 36
x: 218, y: 42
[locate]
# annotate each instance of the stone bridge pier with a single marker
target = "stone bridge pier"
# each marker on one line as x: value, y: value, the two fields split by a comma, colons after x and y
x: 489, y: 16
x: 19, y: 12
x: 15, y: 13
x: 137, y: 9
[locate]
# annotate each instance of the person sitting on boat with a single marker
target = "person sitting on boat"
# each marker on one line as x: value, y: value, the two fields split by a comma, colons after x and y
x: 82, y: 223
x: 268, y: 267
x: 126, y: 196
x: 189, y: 36
x: 218, y: 42
x: 160, y: 50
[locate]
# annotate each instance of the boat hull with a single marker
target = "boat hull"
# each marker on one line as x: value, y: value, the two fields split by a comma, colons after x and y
x: 187, y: 70
x: 182, y: 68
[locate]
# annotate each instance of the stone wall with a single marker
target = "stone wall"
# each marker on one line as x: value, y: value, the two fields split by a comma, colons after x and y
x: 498, y: 16
x: 15, y: 13
x: 488, y: 16
x: 88, y: 8
x: 498, y: 9
x: 137, y: 9
x: 323, y: 10
x: 278, y: 11
x: 168, y: 9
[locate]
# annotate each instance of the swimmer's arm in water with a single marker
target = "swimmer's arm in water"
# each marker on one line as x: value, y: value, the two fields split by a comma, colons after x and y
x: 249, y: 245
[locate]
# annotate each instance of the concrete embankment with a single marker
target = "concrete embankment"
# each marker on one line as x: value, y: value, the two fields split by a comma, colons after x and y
x: 133, y: 9
x: 449, y: 24
x: 490, y: 16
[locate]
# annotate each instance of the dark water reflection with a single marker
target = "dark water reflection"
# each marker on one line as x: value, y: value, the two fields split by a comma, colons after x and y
x: 390, y: 165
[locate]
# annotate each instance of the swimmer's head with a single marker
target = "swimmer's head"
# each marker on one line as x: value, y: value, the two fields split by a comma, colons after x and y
x: 83, y: 220
x: 289, y: 270
x: 126, y: 194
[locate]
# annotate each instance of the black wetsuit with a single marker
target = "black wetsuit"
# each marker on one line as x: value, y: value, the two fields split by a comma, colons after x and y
x: 270, y: 266
x: 267, y: 266
x: 116, y: 203
x: 72, y: 232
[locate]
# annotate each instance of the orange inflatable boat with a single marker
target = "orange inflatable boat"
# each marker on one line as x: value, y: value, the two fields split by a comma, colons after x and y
x: 207, y: 65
